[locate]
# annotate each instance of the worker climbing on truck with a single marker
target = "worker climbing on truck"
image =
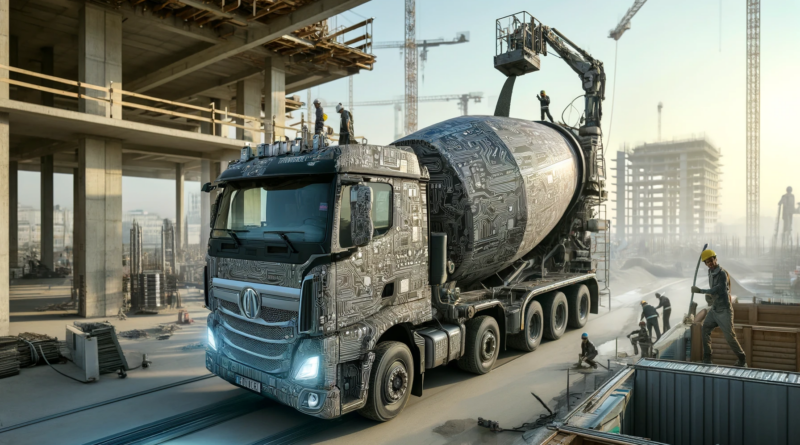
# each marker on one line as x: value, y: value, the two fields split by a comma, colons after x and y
x: 720, y: 314
x: 642, y: 338
x: 663, y: 302
x: 650, y: 315
x: 588, y: 351
x: 344, y: 126
x: 544, y: 104
x: 319, y: 123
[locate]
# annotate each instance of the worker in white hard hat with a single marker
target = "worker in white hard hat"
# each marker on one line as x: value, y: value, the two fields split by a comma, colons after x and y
x: 319, y: 123
x: 720, y: 314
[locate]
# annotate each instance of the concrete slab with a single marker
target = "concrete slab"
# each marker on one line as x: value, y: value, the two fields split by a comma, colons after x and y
x: 30, y: 120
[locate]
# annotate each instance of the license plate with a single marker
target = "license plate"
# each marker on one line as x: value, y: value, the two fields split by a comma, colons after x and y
x: 248, y: 383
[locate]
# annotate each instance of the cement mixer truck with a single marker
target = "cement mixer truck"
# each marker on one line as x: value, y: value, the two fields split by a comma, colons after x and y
x: 337, y: 276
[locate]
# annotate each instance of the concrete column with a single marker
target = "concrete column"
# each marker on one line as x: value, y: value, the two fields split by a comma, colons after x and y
x: 248, y: 103
x: 48, y: 67
x: 180, y: 208
x: 4, y: 152
x: 98, y: 227
x: 275, y: 94
x: 46, y: 193
x: 100, y: 56
x: 13, y: 215
x: 205, y: 202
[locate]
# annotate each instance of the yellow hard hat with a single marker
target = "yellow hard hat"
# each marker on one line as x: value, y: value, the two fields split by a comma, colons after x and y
x: 643, y: 302
x: 708, y: 253
x: 324, y: 117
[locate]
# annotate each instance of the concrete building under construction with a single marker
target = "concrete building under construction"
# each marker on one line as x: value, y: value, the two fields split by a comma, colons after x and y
x: 668, y: 189
x: 154, y: 89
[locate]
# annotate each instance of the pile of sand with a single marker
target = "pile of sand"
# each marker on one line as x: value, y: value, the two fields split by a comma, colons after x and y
x: 655, y: 270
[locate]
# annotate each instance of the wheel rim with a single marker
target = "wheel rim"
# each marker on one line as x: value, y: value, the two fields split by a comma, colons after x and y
x: 561, y: 315
x: 584, y: 308
x: 488, y: 346
x: 396, y: 382
x: 535, y: 327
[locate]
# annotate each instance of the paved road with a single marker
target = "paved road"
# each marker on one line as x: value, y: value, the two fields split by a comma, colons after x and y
x: 446, y: 414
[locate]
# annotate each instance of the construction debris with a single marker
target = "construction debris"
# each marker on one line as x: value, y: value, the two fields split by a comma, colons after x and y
x: 134, y: 333
x: 164, y: 337
x: 192, y: 346
x: 65, y: 306
x: 170, y: 328
x: 109, y: 352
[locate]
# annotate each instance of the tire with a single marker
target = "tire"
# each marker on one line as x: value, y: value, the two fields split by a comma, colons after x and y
x: 579, y: 306
x: 390, y: 381
x: 530, y: 337
x: 482, y: 345
x: 555, y: 315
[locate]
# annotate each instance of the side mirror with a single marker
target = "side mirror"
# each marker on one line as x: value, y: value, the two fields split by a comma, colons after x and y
x: 214, y: 208
x: 361, y: 227
x: 207, y: 187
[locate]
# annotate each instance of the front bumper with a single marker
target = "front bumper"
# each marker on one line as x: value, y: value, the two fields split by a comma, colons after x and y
x: 283, y: 390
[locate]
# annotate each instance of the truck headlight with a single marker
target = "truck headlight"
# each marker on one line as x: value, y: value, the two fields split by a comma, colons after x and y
x: 211, y: 341
x: 309, y: 369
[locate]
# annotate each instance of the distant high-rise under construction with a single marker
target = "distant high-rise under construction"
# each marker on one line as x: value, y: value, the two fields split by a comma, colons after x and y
x: 668, y: 189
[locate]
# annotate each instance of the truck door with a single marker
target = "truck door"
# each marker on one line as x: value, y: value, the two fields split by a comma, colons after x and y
x: 393, y: 268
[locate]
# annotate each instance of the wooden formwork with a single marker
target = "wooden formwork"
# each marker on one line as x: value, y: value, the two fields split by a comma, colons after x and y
x: 769, y: 335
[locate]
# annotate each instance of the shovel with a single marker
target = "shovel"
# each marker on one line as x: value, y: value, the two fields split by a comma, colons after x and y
x: 694, y: 283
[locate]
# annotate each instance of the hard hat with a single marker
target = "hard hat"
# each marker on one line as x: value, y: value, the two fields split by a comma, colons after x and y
x: 584, y: 335
x: 642, y: 323
x: 339, y: 107
x: 316, y: 101
x: 643, y: 302
x: 542, y: 92
x: 708, y: 253
x: 324, y: 116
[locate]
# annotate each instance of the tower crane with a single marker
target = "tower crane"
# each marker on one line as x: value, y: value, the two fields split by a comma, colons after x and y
x: 463, y: 104
x: 409, y: 47
x: 625, y: 23
x: 461, y: 37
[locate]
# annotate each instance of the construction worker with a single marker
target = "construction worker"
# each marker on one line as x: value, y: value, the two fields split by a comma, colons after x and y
x: 663, y: 302
x: 642, y: 338
x: 787, y: 213
x: 319, y: 123
x: 544, y: 103
x: 650, y: 315
x: 720, y: 314
x: 588, y: 351
x: 344, y: 125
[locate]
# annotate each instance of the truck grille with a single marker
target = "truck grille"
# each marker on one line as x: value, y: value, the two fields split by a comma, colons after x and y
x: 279, y: 344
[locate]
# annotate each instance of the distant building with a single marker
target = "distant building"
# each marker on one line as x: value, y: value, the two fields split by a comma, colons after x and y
x: 192, y: 223
x: 668, y: 189
x: 150, y: 224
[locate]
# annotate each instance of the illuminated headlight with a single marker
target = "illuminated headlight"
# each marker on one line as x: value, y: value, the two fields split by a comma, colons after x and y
x: 313, y: 400
x: 309, y: 370
x: 211, y: 341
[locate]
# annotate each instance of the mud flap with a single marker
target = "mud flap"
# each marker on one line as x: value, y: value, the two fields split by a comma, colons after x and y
x: 419, y: 372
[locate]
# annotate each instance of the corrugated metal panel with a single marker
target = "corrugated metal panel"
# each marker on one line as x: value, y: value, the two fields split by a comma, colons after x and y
x: 689, y: 403
x: 602, y: 437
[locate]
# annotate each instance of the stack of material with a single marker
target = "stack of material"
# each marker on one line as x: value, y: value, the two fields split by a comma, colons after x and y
x: 151, y: 290
x: 41, y: 344
x: 109, y: 352
x: 9, y: 363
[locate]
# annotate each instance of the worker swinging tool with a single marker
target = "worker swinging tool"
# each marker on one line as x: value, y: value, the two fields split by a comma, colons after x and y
x: 720, y: 312
x: 544, y: 104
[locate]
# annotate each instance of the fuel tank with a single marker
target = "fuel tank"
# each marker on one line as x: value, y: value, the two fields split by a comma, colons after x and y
x: 498, y: 186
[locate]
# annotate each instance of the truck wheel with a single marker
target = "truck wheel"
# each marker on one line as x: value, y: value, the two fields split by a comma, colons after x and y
x: 578, y: 306
x: 531, y: 336
x: 483, y: 345
x: 390, y: 381
x: 555, y: 315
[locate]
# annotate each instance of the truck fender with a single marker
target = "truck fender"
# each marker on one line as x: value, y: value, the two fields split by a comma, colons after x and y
x: 495, y: 310
x: 402, y: 332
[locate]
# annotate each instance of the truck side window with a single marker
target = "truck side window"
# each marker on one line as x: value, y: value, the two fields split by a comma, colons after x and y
x: 381, y: 212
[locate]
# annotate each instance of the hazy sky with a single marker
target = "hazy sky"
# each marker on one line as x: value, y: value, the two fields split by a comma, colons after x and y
x: 672, y: 54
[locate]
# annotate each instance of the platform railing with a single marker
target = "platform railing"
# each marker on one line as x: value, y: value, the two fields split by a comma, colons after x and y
x: 115, y: 96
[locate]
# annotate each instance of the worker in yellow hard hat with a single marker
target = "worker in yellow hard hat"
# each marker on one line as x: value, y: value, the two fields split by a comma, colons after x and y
x: 720, y: 314
x: 544, y: 104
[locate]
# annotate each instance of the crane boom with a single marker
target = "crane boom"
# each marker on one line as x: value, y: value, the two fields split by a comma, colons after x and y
x: 625, y: 23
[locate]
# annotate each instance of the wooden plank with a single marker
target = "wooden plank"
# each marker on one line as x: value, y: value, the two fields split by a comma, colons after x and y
x: 797, y: 352
x: 697, y: 342
x: 53, y: 90
x: 770, y: 355
x: 753, y: 314
x: 169, y: 102
x: 777, y: 361
x: 773, y: 366
x: 167, y: 112
x: 748, y: 341
x: 54, y: 79
x: 786, y: 350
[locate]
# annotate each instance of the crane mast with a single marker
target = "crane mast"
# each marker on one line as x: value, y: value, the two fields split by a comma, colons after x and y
x: 411, y: 67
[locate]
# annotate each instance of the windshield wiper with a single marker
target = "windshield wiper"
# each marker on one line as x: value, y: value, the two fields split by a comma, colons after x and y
x: 233, y: 235
x: 282, y: 234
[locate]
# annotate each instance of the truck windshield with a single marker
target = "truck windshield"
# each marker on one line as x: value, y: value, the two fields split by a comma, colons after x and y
x: 274, y: 209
